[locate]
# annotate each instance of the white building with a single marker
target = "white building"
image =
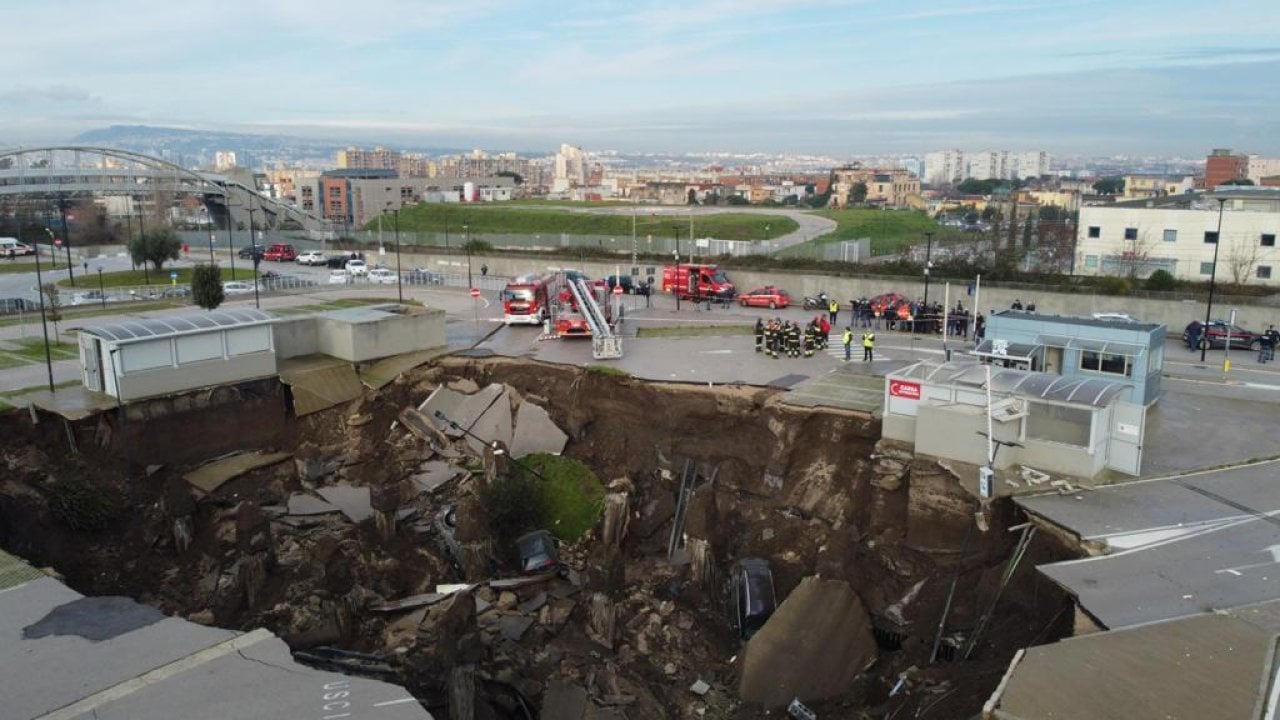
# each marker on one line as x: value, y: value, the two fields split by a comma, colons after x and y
x: 944, y: 167
x: 1261, y: 167
x: 1030, y: 164
x: 224, y: 160
x: 1179, y: 234
x: 570, y: 168
x: 988, y: 165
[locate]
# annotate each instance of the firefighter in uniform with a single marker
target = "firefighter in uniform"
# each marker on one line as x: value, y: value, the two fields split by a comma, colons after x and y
x: 810, y: 339
x: 793, y: 336
x: 771, y: 338
x: 759, y: 335
x: 868, y: 345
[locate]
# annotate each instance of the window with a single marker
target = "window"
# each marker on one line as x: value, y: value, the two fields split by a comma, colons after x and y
x: 1170, y: 235
x: 1268, y: 239
x: 1105, y: 363
x: 1211, y: 236
x: 1091, y: 262
x: 1264, y: 272
x: 1131, y: 233
x: 1206, y: 268
x: 1059, y: 423
x: 1095, y: 231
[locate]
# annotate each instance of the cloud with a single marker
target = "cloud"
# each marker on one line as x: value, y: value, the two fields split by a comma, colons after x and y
x: 26, y: 95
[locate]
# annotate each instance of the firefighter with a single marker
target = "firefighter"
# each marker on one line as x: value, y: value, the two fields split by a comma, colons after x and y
x: 810, y: 339
x: 793, y: 339
x: 771, y: 338
x: 759, y: 335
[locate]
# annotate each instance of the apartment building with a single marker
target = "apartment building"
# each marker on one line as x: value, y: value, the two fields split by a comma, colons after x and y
x: 570, y: 168
x: 1222, y: 165
x: 1179, y: 233
x: 941, y: 168
x: 378, y: 158
x: 1261, y: 168
x: 893, y: 187
x: 1141, y: 187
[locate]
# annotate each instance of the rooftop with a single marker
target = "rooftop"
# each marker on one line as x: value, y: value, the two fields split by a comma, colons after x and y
x: 1079, y: 321
x: 137, y: 330
x: 1092, y: 392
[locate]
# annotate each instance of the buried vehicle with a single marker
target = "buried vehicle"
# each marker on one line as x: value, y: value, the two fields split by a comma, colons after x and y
x: 753, y: 601
x: 538, y: 552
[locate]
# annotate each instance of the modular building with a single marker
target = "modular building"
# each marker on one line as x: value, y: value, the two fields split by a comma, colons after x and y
x: 159, y: 356
x: 1124, y: 351
x: 1066, y: 426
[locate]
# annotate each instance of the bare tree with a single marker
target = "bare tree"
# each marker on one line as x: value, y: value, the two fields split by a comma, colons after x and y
x: 1242, y: 259
x: 1134, y: 259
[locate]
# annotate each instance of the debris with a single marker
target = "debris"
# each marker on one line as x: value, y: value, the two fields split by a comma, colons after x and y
x: 408, y: 603
x: 533, y: 604
x: 211, y: 476
x: 1033, y: 476
x: 305, y: 504
x: 564, y: 701
x: 798, y: 711
x: 536, y: 432
x: 433, y: 474
x: 700, y: 687
x: 344, y: 661
x: 352, y: 501
x: 513, y: 627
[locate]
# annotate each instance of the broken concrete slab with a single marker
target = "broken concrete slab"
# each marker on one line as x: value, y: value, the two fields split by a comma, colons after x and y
x: 424, y: 427
x: 352, y: 501
x: 493, y: 425
x: 536, y: 432
x: 564, y: 701
x: 472, y: 407
x: 700, y: 687
x: 444, y: 401
x: 408, y: 603
x: 813, y: 647
x: 533, y: 604
x: 519, y: 582
x: 513, y: 627
x: 433, y: 474
x: 211, y: 476
x: 319, y: 382
x: 305, y: 504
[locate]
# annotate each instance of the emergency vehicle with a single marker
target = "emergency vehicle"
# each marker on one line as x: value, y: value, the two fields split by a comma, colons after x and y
x: 570, y: 321
x: 697, y: 282
x: 526, y: 300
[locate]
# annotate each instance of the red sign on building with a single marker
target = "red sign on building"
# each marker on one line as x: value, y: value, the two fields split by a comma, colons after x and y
x: 904, y: 390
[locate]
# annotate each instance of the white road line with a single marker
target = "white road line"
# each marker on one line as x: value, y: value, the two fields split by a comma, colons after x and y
x: 401, y: 701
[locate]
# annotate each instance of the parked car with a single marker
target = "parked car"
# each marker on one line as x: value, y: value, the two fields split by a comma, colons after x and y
x: 312, y: 257
x: 280, y: 252
x: 767, y: 296
x: 176, y: 291
x: 341, y: 259
x: 423, y: 276
x: 538, y: 552
x: 1217, y: 334
x: 13, y: 306
x: 252, y: 252
x: 91, y: 297
x: 11, y: 248
x: 339, y: 277
x: 357, y: 268
x: 1114, y: 317
x: 235, y: 287
x: 383, y: 276
x: 629, y: 285
x: 753, y: 601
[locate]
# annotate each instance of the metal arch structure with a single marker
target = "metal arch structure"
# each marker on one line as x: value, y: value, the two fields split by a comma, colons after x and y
x: 61, y: 181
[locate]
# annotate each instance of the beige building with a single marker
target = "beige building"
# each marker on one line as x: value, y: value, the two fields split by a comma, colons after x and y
x: 893, y: 187
x: 1140, y: 187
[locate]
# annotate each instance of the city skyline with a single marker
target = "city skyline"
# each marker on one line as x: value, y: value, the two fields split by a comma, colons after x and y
x: 822, y: 76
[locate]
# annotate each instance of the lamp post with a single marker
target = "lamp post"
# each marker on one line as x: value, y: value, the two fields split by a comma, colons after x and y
x: 1213, y: 276
x: 102, y: 289
x: 928, y: 255
x: 231, y: 245
x: 209, y: 223
x: 395, y: 212
x: 677, y: 256
x: 253, y: 254
x: 66, y: 240
x: 466, y: 232
x: 44, y: 324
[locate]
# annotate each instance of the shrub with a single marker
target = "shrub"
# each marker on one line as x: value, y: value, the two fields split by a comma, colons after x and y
x: 81, y: 506
x: 512, y: 506
x: 570, y: 496
x: 1161, y: 280
x: 1114, y: 285
x: 206, y: 286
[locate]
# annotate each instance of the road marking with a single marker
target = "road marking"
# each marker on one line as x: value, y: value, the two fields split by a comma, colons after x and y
x: 401, y: 701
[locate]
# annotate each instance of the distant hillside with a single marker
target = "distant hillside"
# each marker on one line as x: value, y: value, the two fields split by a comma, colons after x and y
x: 187, y: 146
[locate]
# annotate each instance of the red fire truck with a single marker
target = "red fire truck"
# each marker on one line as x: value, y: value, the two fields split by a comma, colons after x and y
x: 570, y: 321
x: 526, y: 300
x: 697, y: 282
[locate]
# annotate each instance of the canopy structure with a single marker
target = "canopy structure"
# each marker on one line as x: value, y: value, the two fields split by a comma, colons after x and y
x: 152, y: 328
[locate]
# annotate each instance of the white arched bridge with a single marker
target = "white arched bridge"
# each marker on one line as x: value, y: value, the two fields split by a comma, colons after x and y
x: 66, y: 172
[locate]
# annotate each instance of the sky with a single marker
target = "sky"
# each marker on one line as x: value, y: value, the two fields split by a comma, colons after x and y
x: 831, y: 77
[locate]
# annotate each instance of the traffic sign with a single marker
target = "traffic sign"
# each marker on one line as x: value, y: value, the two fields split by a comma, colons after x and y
x: 58, y: 242
x: 173, y: 275
x: 475, y: 292
x: 617, y: 289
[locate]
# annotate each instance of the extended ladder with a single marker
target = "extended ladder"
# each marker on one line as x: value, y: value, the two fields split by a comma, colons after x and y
x: 604, y: 344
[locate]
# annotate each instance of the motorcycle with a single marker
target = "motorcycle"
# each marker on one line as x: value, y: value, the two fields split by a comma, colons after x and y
x: 821, y: 302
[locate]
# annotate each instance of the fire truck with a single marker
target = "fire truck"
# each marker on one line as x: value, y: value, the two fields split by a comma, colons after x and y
x: 697, y: 282
x: 526, y: 300
x: 571, y: 317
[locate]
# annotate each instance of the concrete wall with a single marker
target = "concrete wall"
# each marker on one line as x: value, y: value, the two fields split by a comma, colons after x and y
x: 295, y: 336
x: 951, y: 431
x: 360, y: 334
x: 189, y: 376
x: 1252, y: 313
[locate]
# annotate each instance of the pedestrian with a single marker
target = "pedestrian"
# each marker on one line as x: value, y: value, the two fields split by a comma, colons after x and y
x: 759, y: 335
x: 1267, y: 344
x: 484, y: 269
x: 824, y: 338
x: 1193, y: 336
x: 833, y: 309
x: 979, y: 328
x: 810, y: 339
x: 1017, y: 304
x: 847, y: 339
x: 868, y: 345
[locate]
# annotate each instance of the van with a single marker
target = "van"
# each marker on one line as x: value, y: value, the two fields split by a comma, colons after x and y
x: 10, y: 247
x: 280, y: 252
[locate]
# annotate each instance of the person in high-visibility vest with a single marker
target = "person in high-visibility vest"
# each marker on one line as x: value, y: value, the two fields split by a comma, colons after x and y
x: 847, y: 339
x: 868, y: 345
x: 833, y: 309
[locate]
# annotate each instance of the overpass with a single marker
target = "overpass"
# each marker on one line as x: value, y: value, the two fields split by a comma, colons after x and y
x: 66, y: 172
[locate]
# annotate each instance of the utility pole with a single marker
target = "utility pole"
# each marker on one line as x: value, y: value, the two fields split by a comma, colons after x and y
x: 928, y: 263
x: 1213, y: 276
x: 677, y: 277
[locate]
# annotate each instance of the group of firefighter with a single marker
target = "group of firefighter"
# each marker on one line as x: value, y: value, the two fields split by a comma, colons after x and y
x: 779, y: 337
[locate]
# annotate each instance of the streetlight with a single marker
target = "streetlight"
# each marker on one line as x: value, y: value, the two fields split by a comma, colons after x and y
x: 928, y: 253
x: 231, y: 243
x: 1213, y: 276
x: 66, y: 240
x: 208, y: 223
x: 466, y: 231
x: 395, y: 212
x: 253, y: 253
x: 44, y: 325
x: 677, y: 277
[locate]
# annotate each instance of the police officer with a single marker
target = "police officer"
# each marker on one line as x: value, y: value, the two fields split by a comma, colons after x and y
x: 833, y: 309
x: 847, y: 339
x: 868, y: 345
x: 759, y: 335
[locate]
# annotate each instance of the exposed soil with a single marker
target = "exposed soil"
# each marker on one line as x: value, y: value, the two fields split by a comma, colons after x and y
x: 797, y: 486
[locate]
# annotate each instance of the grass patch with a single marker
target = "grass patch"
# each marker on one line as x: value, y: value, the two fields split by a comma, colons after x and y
x: 72, y: 312
x: 9, y: 360
x: 126, y: 278
x: 694, y: 330
x: 607, y: 370
x: 33, y: 349
x: 23, y: 267
x: 889, y: 230
x: 536, y: 218
x: 570, y: 496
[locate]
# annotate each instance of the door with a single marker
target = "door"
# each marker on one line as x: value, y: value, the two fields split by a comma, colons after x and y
x: 1053, y: 360
x: 92, y: 354
x: 1124, y: 446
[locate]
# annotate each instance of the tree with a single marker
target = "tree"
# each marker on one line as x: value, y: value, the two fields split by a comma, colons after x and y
x: 692, y: 197
x: 93, y: 226
x: 155, y: 246
x: 858, y: 193
x: 1109, y: 186
x: 206, y: 286
x: 52, y: 306
x: 1161, y: 280
x: 1027, y: 228
x: 1238, y: 181
x: 1242, y: 259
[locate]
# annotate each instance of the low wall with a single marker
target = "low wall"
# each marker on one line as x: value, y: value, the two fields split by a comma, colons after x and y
x: 1252, y: 313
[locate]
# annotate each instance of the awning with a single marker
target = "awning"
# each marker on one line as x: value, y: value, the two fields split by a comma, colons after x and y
x: 1102, y: 347
x: 998, y: 349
